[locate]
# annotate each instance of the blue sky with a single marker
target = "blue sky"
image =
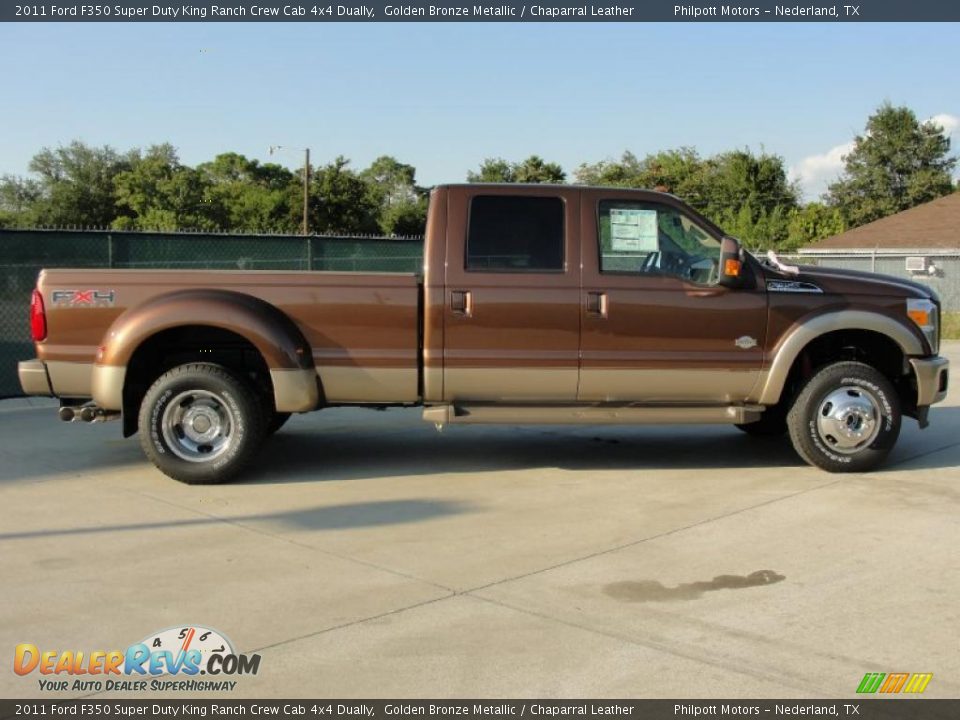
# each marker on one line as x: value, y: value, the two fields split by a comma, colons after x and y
x: 445, y: 96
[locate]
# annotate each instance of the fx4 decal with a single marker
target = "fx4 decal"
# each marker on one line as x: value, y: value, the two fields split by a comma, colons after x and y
x: 84, y: 298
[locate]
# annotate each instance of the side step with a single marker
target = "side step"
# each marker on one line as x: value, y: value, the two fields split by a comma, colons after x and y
x: 592, y: 414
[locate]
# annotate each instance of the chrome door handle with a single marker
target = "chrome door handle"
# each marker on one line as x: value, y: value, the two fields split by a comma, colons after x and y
x: 597, y: 303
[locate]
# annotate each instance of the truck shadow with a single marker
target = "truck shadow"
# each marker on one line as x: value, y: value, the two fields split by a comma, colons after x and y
x: 305, y: 453
x: 322, y: 447
x: 311, y: 456
x: 328, y: 517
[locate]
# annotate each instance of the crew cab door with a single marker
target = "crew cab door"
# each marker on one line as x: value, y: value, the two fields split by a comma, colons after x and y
x: 656, y: 328
x: 512, y: 287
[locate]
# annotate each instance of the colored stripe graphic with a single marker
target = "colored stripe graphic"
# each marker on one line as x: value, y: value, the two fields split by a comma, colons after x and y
x: 871, y: 682
x: 894, y: 682
x: 918, y: 682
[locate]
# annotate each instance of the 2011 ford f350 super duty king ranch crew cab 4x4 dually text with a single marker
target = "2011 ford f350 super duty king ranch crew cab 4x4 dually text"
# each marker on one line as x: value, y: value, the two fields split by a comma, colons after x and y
x: 537, y: 304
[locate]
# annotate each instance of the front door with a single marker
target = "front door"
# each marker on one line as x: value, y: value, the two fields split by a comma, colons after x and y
x: 511, y: 312
x: 656, y: 326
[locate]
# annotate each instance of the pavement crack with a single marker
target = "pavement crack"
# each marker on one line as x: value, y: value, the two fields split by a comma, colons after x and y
x: 358, y: 621
x: 656, y: 536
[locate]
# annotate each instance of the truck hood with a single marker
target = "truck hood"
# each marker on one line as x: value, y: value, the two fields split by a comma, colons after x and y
x: 848, y: 282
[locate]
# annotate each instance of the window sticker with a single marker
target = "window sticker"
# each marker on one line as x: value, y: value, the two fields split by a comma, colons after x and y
x: 633, y: 230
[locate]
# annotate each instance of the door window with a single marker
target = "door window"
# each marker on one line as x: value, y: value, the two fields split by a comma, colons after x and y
x: 515, y: 234
x: 653, y: 238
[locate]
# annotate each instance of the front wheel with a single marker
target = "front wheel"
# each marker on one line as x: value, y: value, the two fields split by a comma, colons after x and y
x: 846, y: 418
x: 200, y: 424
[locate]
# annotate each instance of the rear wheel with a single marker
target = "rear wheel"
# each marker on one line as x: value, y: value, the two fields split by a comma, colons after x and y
x: 846, y: 418
x: 200, y: 424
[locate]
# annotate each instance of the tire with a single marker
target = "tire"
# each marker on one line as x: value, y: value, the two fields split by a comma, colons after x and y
x: 773, y: 423
x: 276, y: 421
x: 201, y: 424
x: 846, y: 418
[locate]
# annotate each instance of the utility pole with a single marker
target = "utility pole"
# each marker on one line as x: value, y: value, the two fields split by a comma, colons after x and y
x: 306, y: 183
x: 306, y: 191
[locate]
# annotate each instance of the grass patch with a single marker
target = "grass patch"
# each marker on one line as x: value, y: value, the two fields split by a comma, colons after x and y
x: 951, y: 326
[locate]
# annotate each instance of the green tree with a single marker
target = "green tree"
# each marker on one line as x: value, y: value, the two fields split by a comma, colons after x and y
x: 76, y: 184
x: 340, y: 200
x: 811, y: 222
x: 158, y: 193
x: 675, y: 171
x: 18, y: 199
x: 245, y: 195
x: 747, y: 194
x: 401, y: 203
x: 532, y: 170
x: 896, y: 164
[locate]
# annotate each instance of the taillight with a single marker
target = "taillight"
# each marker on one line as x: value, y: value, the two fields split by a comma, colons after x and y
x: 38, y: 318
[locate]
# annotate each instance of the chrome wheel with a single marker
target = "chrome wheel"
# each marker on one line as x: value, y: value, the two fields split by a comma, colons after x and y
x: 848, y: 419
x: 197, y: 425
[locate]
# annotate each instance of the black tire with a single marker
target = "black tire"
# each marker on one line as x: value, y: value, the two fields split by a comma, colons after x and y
x: 772, y: 423
x: 275, y: 422
x: 201, y: 424
x: 846, y: 418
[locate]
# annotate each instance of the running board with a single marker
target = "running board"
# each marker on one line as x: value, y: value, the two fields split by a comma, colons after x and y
x: 592, y: 414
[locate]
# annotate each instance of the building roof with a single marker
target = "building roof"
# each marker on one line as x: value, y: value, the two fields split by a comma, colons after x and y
x: 933, y: 225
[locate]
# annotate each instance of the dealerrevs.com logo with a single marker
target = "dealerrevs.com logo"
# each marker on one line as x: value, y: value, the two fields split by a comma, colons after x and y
x: 173, y: 659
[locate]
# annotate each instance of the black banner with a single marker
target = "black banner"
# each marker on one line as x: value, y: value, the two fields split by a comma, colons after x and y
x: 873, y: 708
x: 484, y: 11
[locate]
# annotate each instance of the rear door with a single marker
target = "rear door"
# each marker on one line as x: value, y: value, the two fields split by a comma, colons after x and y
x: 511, y: 312
x: 656, y: 326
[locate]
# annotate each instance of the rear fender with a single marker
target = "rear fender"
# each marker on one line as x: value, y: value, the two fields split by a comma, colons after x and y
x: 278, y: 339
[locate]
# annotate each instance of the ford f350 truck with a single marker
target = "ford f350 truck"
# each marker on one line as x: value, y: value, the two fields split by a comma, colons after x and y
x: 536, y: 304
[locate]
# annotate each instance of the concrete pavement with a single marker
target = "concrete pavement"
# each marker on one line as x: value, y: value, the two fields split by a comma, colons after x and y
x: 368, y: 555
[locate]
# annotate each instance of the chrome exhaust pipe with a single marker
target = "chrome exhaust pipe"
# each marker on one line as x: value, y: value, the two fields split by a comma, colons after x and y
x: 88, y: 413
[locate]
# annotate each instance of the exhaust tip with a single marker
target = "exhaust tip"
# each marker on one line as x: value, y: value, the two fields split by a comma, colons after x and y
x: 88, y: 414
x: 66, y: 414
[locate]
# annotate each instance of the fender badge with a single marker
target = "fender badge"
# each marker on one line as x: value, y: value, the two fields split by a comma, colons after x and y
x: 745, y: 342
x: 84, y: 298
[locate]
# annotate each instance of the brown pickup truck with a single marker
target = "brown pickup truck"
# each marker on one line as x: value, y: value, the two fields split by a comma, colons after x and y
x: 537, y: 304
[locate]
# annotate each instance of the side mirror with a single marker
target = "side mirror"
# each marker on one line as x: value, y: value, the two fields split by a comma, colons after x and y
x: 731, y: 273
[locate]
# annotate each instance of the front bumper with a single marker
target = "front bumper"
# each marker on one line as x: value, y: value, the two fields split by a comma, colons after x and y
x: 932, y: 376
x: 33, y: 378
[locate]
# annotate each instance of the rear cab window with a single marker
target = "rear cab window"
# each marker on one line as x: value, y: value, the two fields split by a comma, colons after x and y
x: 515, y: 234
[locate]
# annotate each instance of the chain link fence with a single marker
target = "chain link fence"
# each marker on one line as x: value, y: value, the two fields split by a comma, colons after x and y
x: 939, y: 270
x: 24, y: 252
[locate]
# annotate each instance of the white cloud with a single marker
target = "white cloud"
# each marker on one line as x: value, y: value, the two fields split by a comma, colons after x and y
x: 949, y: 123
x: 816, y: 172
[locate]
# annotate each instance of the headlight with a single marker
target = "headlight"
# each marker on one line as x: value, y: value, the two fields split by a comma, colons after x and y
x: 925, y: 315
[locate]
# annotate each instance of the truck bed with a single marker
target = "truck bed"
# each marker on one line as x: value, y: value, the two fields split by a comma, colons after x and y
x: 362, y: 328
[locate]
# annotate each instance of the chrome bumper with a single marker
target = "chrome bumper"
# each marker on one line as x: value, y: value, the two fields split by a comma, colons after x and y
x: 33, y: 378
x: 932, y: 378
